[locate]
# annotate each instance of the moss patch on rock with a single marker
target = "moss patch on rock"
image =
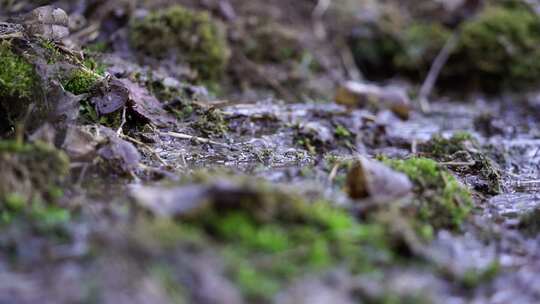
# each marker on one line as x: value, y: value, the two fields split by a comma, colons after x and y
x: 440, y: 200
x: 80, y: 81
x: 193, y: 36
x: 268, y: 236
x: 443, y: 149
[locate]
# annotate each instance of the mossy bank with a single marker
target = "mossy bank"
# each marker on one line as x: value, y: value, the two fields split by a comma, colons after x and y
x: 496, y: 50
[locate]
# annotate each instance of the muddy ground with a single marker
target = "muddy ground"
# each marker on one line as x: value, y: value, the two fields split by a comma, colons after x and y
x: 223, y: 164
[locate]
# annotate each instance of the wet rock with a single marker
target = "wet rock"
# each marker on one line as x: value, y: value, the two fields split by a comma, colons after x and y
x: 520, y: 210
x: 374, y: 180
x: 65, y: 105
x: 361, y: 95
x: 466, y: 259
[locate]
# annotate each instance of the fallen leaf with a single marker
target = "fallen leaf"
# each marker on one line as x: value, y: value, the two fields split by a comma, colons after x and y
x: 147, y: 106
x: 110, y: 97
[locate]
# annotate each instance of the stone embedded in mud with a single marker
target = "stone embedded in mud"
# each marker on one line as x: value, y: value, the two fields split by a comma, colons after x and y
x: 369, y: 179
x: 184, y: 34
x: 361, y: 95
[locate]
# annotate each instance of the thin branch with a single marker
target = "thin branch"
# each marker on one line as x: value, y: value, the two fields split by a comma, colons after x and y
x: 120, y: 128
x: 435, y: 70
x: 196, y: 138
x: 457, y: 163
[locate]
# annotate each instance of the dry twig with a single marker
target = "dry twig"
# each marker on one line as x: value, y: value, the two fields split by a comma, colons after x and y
x: 196, y: 138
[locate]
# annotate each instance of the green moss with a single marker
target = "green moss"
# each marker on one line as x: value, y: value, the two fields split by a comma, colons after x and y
x: 96, y: 47
x: 273, y: 252
x: 440, y: 200
x: 18, y: 86
x: 342, y: 132
x: 442, y: 148
x: 409, y: 51
x: 52, y: 53
x: 80, y: 81
x: 374, y: 50
x: 194, y: 36
x: 501, y: 46
x: 17, y: 76
x: 38, y: 166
